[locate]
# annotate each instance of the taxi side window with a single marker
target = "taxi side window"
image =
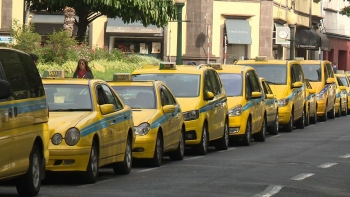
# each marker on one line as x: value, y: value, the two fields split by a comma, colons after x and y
x: 254, y: 81
x: 207, y: 84
x: 214, y: 79
x: 248, y: 88
x: 340, y: 83
x: 266, y: 87
x: 14, y: 74
x: 166, y: 97
x: 330, y: 71
x: 326, y: 75
x: 308, y: 85
x: 297, y: 73
x: 111, y: 98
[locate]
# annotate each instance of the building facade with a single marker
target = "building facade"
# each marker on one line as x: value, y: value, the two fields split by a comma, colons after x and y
x: 10, y: 10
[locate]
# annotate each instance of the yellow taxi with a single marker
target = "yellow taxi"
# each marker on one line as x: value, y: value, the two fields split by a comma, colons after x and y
x: 271, y: 106
x: 345, y: 81
x: 245, y: 100
x: 90, y: 126
x: 341, y: 103
x: 321, y: 77
x: 158, y: 119
x: 286, y: 80
x: 311, y: 101
x: 203, y: 101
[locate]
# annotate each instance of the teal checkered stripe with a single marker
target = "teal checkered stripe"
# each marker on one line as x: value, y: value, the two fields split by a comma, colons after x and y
x: 165, y: 117
x: 25, y: 107
x: 212, y: 105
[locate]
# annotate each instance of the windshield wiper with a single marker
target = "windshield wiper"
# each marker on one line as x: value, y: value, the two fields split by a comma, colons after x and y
x: 70, y: 109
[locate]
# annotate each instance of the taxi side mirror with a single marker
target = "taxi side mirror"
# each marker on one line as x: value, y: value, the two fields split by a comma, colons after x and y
x: 5, y: 89
x: 312, y: 91
x: 107, y: 109
x: 168, y: 108
x: 256, y: 94
x: 297, y: 84
x: 269, y: 96
x: 330, y: 80
x: 209, y: 95
x: 342, y: 87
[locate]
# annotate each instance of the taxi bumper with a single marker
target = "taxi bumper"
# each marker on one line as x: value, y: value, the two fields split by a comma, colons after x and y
x: 193, y: 133
x: 144, y: 146
x: 68, y: 159
x: 284, y: 115
x: 321, y: 107
x: 237, y: 125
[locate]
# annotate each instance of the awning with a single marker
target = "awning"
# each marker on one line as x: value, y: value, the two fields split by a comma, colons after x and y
x: 49, y: 18
x: 324, y: 41
x: 118, y: 26
x: 306, y: 39
x: 238, y: 31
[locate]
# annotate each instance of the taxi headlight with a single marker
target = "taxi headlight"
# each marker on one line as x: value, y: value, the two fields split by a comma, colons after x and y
x: 235, y: 111
x: 319, y: 96
x: 142, y: 129
x: 283, y: 102
x: 72, y: 136
x: 56, y: 139
x: 191, y: 115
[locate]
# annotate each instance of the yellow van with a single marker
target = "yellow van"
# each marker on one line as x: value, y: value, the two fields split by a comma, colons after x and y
x: 202, y: 98
x: 23, y: 122
x: 245, y: 100
x: 321, y: 77
x: 286, y: 79
x: 341, y: 101
x: 345, y: 82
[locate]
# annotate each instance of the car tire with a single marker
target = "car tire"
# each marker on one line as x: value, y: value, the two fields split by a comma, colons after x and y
x: 125, y: 166
x: 301, y: 122
x: 307, y: 118
x: 202, y: 147
x: 157, y: 159
x: 248, y: 134
x: 338, y: 113
x: 91, y: 173
x: 29, y: 184
x: 274, y: 128
x: 179, y: 153
x: 313, y: 120
x: 261, y: 136
x: 289, y: 126
x: 324, y: 117
x: 223, y: 142
x: 345, y: 112
x: 331, y: 113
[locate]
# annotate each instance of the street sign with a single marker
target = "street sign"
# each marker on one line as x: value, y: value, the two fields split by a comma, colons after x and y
x: 6, y: 39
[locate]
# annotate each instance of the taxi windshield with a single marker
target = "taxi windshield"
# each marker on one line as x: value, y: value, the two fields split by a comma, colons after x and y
x: 274, y: 74
x: 62, y: 97
x: 312, y: 72
x: 232, y: 83
x: 182, y: 85
x: 137, y: 97
x: 344, y: 81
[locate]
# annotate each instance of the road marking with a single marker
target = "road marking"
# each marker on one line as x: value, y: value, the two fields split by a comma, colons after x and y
x: 269, y: 191
x: 276, y: 136
x: 150, y: 169
x: 311, y: 125
x: 302, y: 176
x: 345, y: 156
x: 193, y: 158
x: 98, y: 182
x: 327, y: 165
x: 227, y: 150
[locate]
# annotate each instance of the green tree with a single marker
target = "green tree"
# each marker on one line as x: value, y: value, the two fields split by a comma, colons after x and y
x: 25, y: 38
x: 345, y: 11
x: 155, y: 12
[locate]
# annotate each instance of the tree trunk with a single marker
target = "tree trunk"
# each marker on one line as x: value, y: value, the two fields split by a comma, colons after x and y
x: 82, y: 27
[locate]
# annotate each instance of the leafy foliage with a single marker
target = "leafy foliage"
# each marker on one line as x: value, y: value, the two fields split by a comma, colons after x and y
x: 155, y: 12
x: 345, y: 11
x: 25, y: 37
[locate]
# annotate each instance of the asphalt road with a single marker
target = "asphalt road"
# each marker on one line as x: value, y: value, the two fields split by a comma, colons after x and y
x: 311, y: 162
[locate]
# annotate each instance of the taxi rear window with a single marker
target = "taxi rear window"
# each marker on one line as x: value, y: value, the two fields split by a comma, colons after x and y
x: 232, y: 83
x: 68, y: 97
x: 312, y: 72
x: 344, y: 81
x: 182, y: 85
x: 274, y: 74
x: 137, y: 97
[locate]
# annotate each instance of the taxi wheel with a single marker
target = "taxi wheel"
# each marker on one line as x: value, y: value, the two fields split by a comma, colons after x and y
x: 289, y: 126
x: 179, y: 153
x: 331, y: 113
x: 29, y: 183
x: 313, y: 120
x: 324, y: 117
x: 91, y: 173
x: 248, y: 134
x: 338, y: 113
x: 274, y: 128
x: 261, y: 136
x: 158, y: 152
x: 223, y: 142
x: 202, y: 147
x: 345, y: 112
x: 125, y: 166
x: 307, y: 118
x: 301, y: 121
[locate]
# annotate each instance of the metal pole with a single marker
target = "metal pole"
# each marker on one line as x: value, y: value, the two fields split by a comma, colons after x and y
x: 292, y: 40
x: 179, y: 33
x: 225, y: 52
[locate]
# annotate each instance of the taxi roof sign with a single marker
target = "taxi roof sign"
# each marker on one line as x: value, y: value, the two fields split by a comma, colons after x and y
x: 340, y: 72
x: 53, y: 74
x: 216, y: 66
x: 299, y: 58
x: 122, y: 77
x: 261, y: 58
x: 167, y: 65
x: 347, y: 72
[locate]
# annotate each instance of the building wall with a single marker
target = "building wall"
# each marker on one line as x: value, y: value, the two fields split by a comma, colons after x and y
x: 333, y: 21
x: 97, y: 31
